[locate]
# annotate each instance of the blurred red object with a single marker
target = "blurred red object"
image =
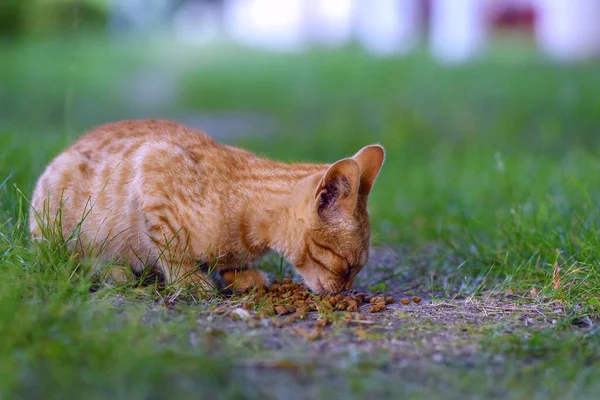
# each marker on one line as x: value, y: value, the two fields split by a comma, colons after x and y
x: 512, y: 16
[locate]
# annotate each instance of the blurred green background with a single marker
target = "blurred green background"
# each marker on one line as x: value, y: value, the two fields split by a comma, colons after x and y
x: 493, y: 161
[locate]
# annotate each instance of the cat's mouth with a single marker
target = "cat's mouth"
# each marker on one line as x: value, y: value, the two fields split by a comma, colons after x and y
x: 318, y: 285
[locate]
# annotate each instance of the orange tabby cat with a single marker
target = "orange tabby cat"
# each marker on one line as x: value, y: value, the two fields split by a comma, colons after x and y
x: 157, y: 194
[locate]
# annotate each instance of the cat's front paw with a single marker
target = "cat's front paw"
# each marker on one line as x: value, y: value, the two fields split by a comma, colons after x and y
x: 244, y: 280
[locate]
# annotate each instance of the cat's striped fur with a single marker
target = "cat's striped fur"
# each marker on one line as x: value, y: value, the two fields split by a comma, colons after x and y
x: 157, y: 194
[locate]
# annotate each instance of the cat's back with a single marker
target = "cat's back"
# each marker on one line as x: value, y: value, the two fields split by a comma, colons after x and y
x: 122, y: 139
x: 102, y: 164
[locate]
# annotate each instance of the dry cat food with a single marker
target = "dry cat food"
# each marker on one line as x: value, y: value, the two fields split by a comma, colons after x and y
x: 294, y: 300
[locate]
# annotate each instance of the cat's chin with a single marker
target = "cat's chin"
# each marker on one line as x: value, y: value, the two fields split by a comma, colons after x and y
x: 319, y: 286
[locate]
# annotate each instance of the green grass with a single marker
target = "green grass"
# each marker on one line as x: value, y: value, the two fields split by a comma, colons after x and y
x: 492, y: 177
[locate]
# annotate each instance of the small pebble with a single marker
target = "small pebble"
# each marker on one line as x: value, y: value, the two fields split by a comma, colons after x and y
x: 322, y: 323
x: 280, y: 310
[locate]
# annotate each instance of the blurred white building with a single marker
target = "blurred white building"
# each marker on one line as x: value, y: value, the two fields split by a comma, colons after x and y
x: 458, y: 29
x: 455, y: 30
x: 568, y: 29
x: 389, y: 26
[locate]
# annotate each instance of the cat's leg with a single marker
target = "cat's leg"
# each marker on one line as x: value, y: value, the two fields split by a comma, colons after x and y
x: 109, y: 271
x: 187, y: 274
x: 172, y: 256
x: 166, y: 236
x: 244, y: 279
x: 116, y: 275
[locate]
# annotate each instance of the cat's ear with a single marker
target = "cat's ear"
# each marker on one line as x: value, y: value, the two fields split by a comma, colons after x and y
x: 337, y: 192
x: 369, y: 159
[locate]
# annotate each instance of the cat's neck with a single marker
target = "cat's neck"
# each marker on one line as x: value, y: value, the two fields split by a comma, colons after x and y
x: 275, y: 219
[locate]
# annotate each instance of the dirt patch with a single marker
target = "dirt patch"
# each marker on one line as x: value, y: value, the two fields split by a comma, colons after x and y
x: 295, y: 352
x: 408, y: 323
x: 282, y: 352
x: 431, y: 330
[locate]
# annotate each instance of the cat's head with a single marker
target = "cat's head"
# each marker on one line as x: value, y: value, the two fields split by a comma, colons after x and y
x: 335, y: 243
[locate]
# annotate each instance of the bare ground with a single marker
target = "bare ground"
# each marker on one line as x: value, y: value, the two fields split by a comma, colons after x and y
x: 404, y: 342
